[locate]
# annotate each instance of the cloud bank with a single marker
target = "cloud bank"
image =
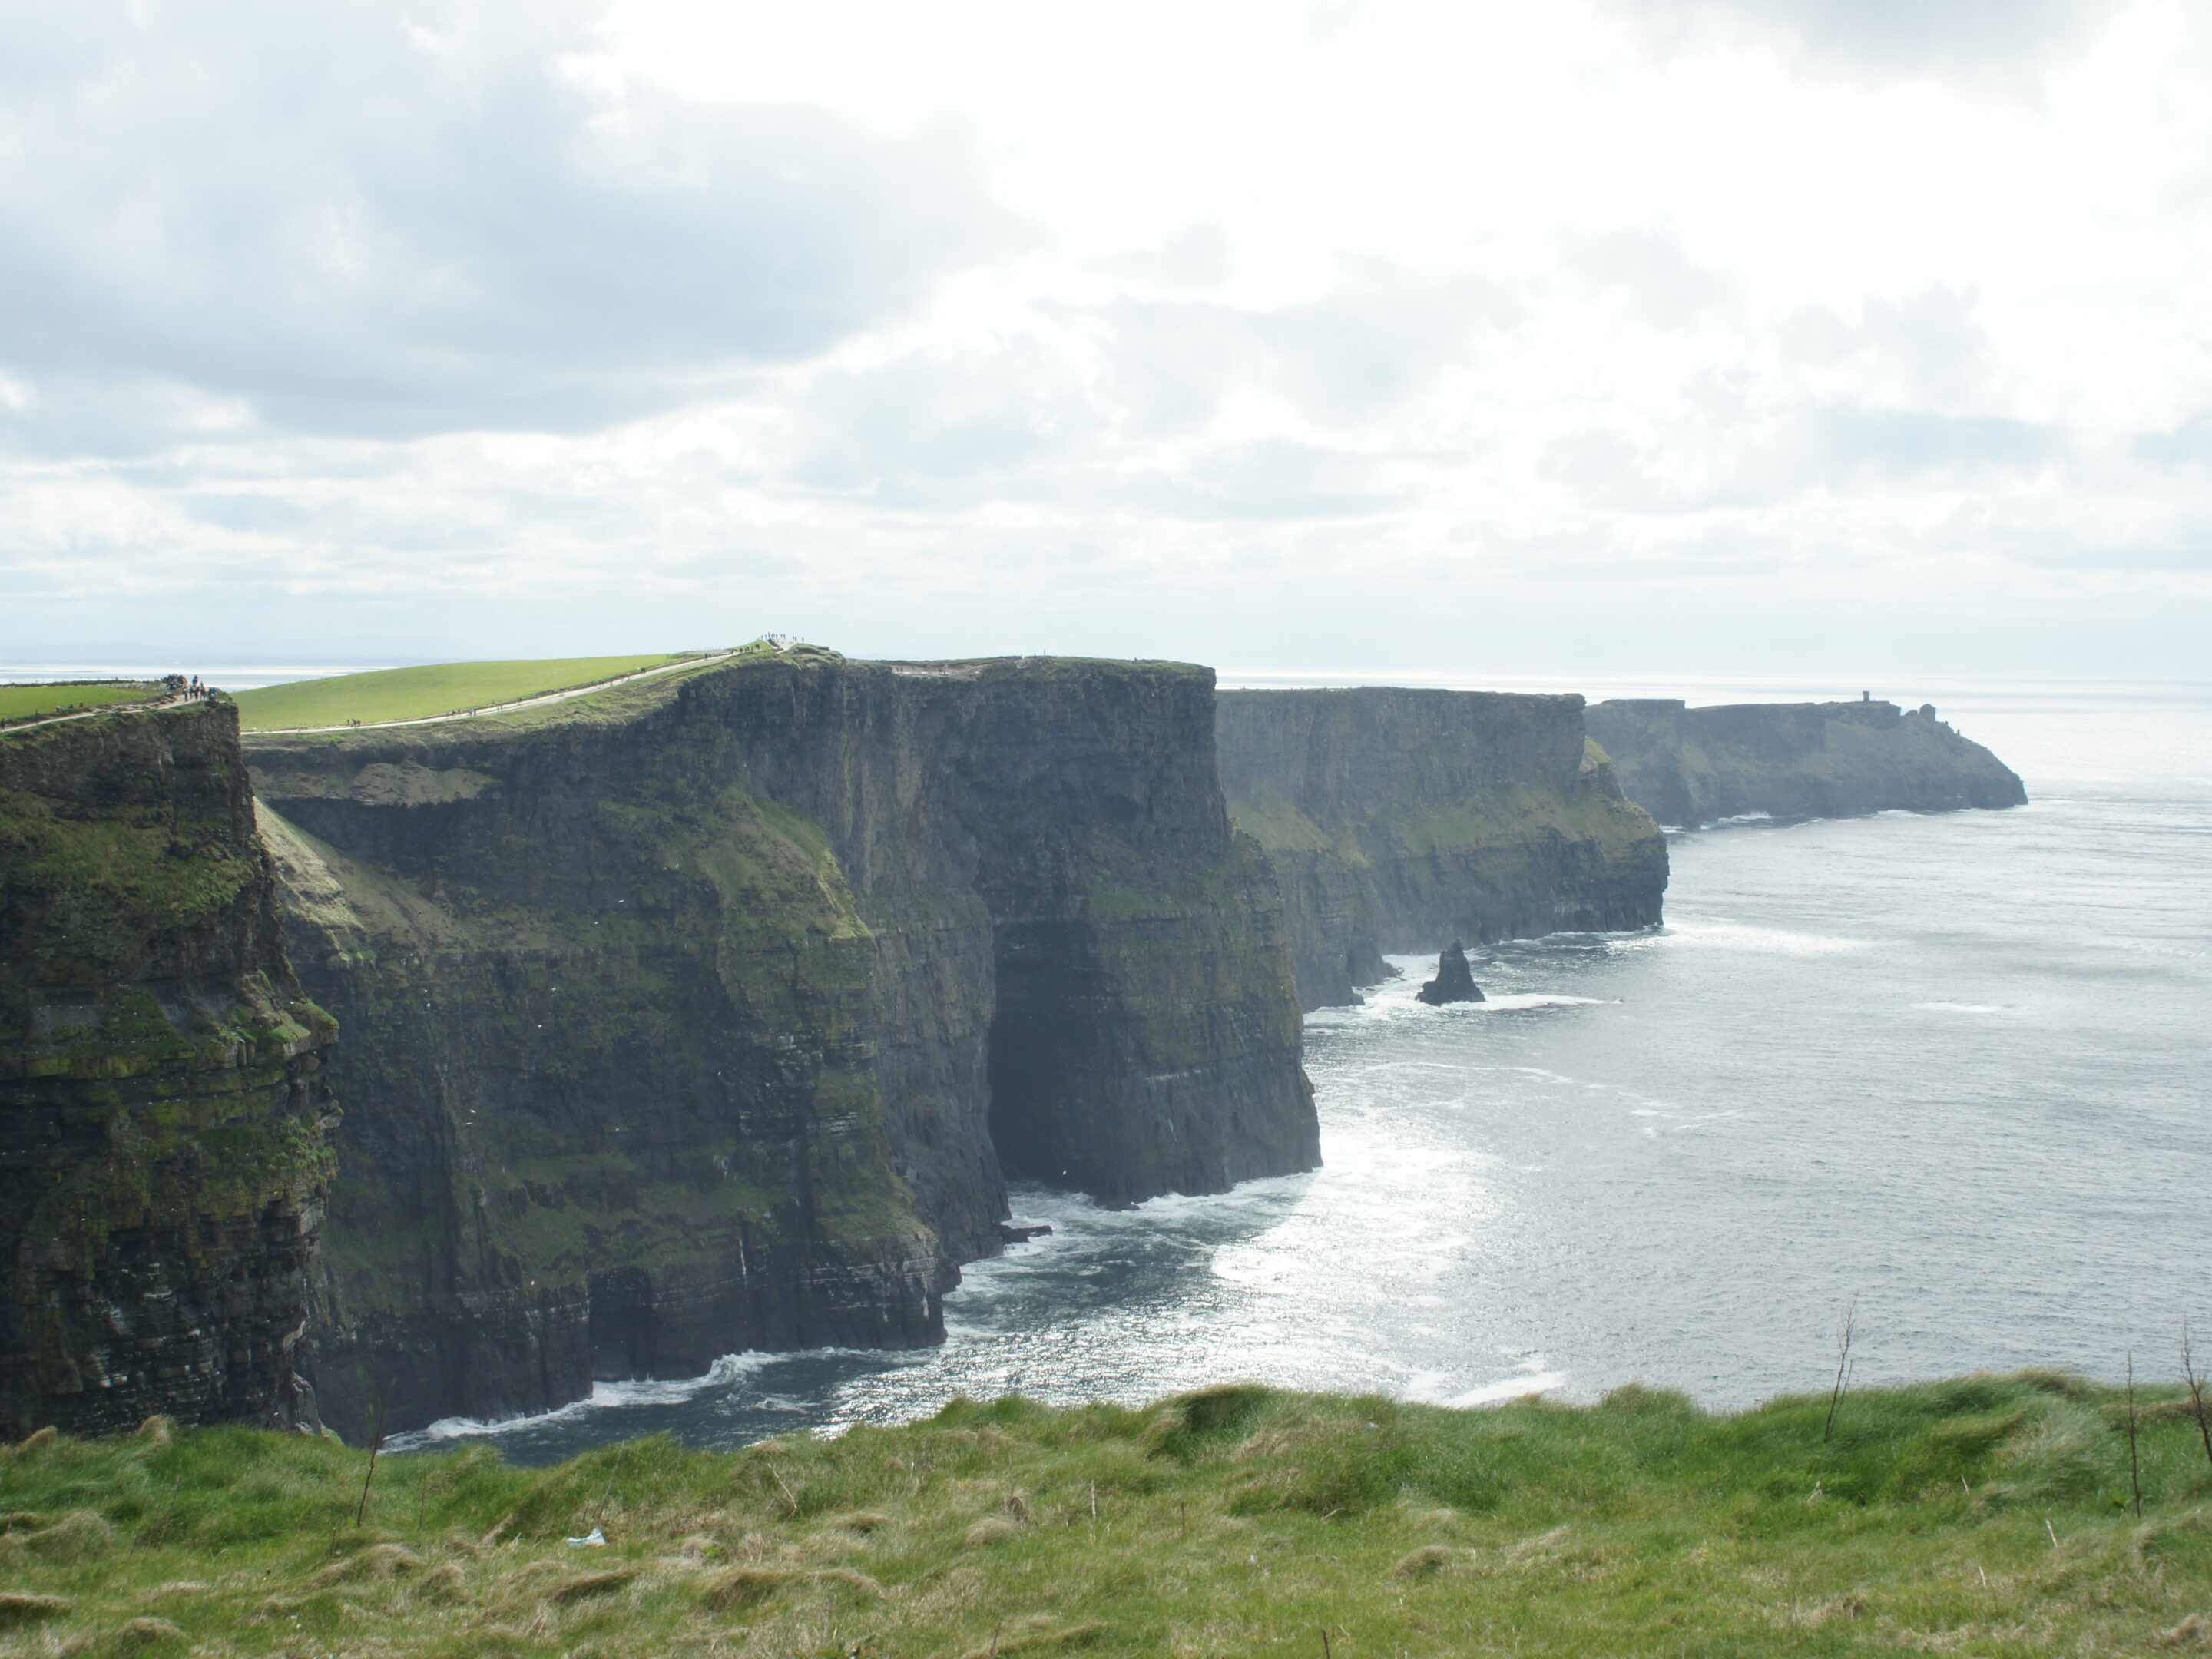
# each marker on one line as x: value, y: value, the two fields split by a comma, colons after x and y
x: 1676, y: 333
x: 349, y: 218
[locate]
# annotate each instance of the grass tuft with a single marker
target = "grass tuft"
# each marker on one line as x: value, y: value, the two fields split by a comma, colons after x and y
x: 1040, y: 1634
x: 377, y: 1561
x: 1425, y: 1562
x: 745, y: 1587
x: 22, y: 1606
x: 590, y: 1583
x: 84, y: 1536
x: 140, y: 1634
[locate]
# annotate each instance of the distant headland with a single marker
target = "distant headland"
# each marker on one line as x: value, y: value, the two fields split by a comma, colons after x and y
x: 1689, y: 767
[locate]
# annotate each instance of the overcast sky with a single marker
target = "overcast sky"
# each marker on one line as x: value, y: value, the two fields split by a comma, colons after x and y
x: 1871, y: 336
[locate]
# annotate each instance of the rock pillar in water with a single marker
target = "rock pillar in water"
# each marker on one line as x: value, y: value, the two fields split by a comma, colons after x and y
x: 1455, y: 979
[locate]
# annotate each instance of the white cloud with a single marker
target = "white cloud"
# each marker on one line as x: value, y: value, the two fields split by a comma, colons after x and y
x: 354, y: 221
x: 1978, y: 38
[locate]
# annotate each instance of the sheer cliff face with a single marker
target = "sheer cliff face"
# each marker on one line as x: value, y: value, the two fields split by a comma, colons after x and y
x: 1400, y: 820
x: 163, y: 1128
x: 710, y: 1014
x: 1693, y: 766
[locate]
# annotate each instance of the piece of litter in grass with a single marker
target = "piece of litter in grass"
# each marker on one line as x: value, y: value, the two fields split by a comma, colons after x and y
x: 592, y: 1540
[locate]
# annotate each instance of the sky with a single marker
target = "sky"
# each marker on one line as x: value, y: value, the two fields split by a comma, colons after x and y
x: 1863, y: 337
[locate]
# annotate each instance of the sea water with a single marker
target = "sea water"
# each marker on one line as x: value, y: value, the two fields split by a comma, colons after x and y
x: 1946, y: 1070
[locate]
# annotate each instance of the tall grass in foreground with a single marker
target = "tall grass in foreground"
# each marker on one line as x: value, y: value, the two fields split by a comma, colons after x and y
x: 1984, y: 1516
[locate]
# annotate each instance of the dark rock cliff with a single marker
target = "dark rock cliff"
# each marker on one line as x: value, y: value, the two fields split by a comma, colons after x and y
x: 1402, y: 820
x: 163, y: 1129
x: 712, y: 1012
x: 1693, y: 766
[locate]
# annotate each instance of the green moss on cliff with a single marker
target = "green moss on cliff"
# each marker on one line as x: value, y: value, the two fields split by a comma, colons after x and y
x: 1503, y: 819
x: 1280, y: 827
x: 94, y: 882
x: 185, y: 1164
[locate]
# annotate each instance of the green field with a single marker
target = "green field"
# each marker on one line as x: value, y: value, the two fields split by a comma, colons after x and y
x: 22, y: 702
x: 408, y: 693
x: 1983, y: 1515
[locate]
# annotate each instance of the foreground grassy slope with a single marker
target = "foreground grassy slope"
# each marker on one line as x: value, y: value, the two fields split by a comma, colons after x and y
x: 1984, y: 1516
x: 409, y: 694
x: 21, y: 701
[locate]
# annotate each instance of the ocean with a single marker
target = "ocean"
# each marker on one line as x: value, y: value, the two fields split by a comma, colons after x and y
x: 1947, y: 1072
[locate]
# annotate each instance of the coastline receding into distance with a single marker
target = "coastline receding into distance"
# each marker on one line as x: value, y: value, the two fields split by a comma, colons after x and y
x: 710, y: 1009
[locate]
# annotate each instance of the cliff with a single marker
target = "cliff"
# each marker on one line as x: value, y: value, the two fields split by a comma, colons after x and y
x: 1693, y: 766
x: 1402, y: 820
x: 163, y: 1126
x: 712, y: 1012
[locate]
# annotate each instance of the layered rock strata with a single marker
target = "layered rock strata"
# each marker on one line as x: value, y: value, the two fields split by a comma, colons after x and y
x: 1400, y: 820
x: 1694, y: 766
x: 712, y: 1012
x: 164, y: 1128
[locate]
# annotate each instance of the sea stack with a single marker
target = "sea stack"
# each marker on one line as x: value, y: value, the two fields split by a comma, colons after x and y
x: 1455, y: 979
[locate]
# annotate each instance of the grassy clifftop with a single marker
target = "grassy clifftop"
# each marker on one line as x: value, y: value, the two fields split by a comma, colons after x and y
x: 23, y: 701
x: 425, y: 692
x: 1983, y: 1515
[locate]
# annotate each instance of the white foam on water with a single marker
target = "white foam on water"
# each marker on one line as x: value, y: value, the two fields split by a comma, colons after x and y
x: 1399, y: 998
x: 1961, y: 1007
x: 1684, y: 1123
x: 648, y: 1391
x: 1258, y: 1267
x: 1509, y: 1387
x: 1771, y: 941
x: 1511, y: 1001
